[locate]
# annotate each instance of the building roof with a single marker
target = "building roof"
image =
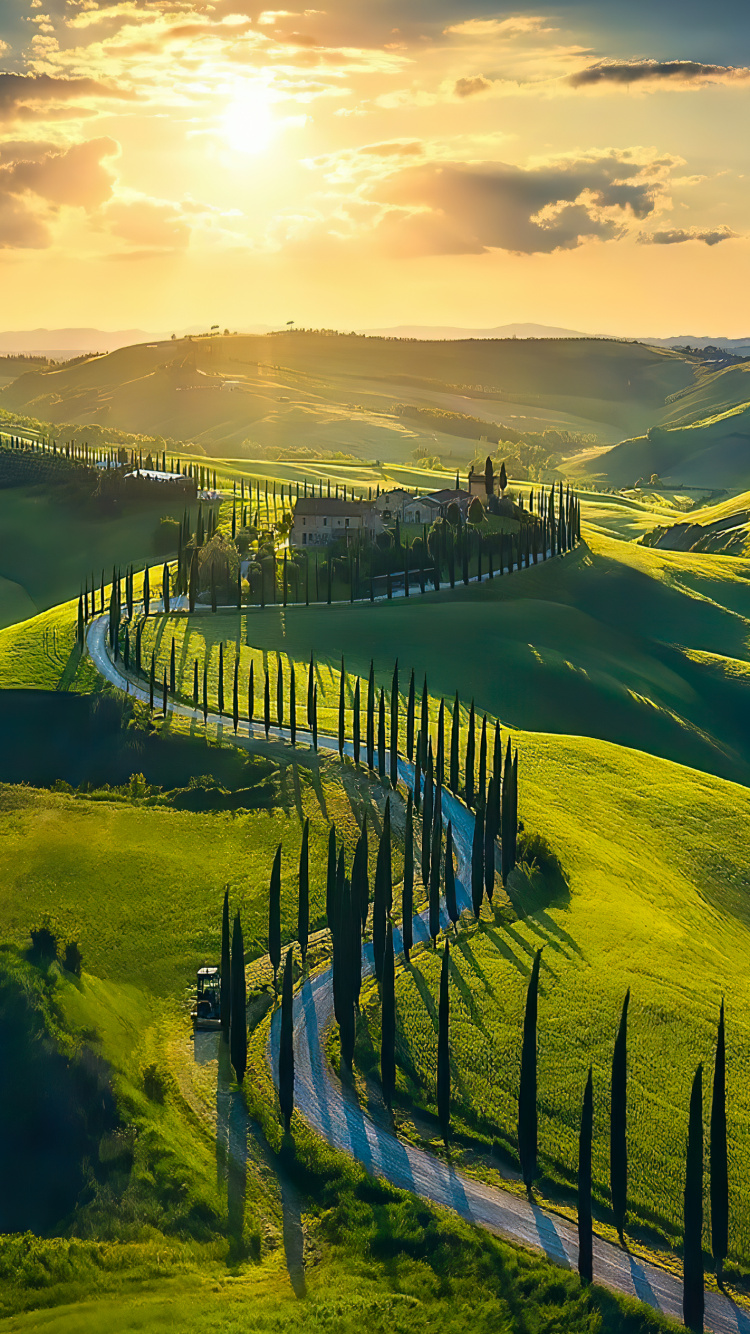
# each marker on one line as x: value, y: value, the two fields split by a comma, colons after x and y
x: 154, y: 475
x: 328, y: 505
x: 445, y: 496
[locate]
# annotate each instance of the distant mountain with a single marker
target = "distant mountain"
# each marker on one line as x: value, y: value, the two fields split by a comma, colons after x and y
x: 431, y: 332
x: 59, y: 344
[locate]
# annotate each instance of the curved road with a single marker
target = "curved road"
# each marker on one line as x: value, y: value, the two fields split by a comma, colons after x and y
x: 330, y: 1108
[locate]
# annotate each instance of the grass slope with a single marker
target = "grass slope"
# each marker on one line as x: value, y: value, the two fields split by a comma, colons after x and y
x: 310, y: 388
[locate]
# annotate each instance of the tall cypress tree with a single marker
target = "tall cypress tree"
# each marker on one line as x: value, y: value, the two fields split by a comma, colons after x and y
x: 274, y: 915
x: 371, y: 718
x: 424, y: 726
x: 451, y: 905
x: 360, y: 875
x: 331, y: 880
x: 165, y: 588
x: 490, y: 834
x: 443, y: 1054
x: 527, y: 1092
x: 303, y: 904
x: 356, y: 721
x: 585, y: 1232
x: 618, y: 1123
x: 470, y: 759
x: 146, y: 591
x: 477, y: 861
x: 286, y: 1044
x: 279, y: 691
x: 251, y: 693
x: 435, y: 867
x: 455, y: 742
x: 506, y: 816
x: 225, y: 984
x: 381, y: 735
x: 292, y: 704
x: 719, y: 1168
x: 482, y: 785
x: 236, y: 696
x: 315, y: 718
x: 410, y: 720
x: 383, y: 893
x: 440, y: 752
x: 205, y: 691
x: 267, y: 704
x: 310, y: 688
x: 388, y: 1021
x: 152, y: 682
x: 497, y: 774
x: 238, y: 1015
x: 342, y: 708
x: 407, y: 894
x: 427, y: 812
x: 221, y: 677
x: 693, y: 1296
x: 393, y: 762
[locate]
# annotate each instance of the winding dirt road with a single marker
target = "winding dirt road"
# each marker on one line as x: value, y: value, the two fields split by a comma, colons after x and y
x: 330, y: 1108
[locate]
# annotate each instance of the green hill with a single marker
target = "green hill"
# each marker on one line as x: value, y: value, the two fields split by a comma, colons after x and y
x: 713, y: 452
x: 339, y: 391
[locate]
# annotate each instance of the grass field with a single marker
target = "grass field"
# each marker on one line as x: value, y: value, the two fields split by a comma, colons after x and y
x: 606, y: 642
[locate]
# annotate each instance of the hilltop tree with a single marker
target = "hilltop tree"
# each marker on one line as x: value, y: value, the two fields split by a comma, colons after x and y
x: 585, y: 1233
x: 489, y: 477
x: 451, y: 905
x: 618, y: 1123
x: 286, y: 1044
x: 225, y: 993
x: 388, y: 1022
x: 443, y: 1055
x: 503, y: 478
x: 719, y: 1168
x: 527, y: 1093
x: 303, y: 904
x: 407, y: 895
x: 238, y: 1015
x: 693, y: 1297
x: 274, y: 916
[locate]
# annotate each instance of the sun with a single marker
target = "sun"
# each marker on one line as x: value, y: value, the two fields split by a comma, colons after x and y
x: 247, y: 123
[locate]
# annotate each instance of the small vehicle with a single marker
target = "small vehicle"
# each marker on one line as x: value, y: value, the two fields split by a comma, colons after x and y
x: 207, y: 1012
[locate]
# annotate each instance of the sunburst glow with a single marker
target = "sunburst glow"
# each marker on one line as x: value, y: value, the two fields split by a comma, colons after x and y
x: 248, y: 125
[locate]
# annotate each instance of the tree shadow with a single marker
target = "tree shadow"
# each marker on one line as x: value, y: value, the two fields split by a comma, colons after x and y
x: 463, y: 945
x: 467, y: 996
x: 503, y: 948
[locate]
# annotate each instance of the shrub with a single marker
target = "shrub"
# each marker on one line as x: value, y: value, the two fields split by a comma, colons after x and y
x: 166, y: 536
x: 73, y: 959
x: 44, y: 943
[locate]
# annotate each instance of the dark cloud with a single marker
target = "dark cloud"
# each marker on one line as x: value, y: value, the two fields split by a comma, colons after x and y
x: 677, y: 72
x: 676, y: 235
x: 469, y: 87
x: 455, y: 208
x: 25, y: 96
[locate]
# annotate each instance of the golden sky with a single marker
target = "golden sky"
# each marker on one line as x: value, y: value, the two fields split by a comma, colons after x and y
x: 169, y: 163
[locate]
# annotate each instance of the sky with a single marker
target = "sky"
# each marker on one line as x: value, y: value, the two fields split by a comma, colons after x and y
x: 172, y: 163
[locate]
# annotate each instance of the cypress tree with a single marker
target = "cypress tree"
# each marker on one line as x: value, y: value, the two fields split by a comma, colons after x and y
x: 238, y: 1015
x: 279, y: 691
x: 138, y: 637
x: 146, y: 591
x: 81, y: 630
x: 477, y: 861
x: 342, y: 708
x: 497, y: 771
x: 424, y: 726
x: 274, y: 915
x: 410, y: 720
x: 514, y: 811
x: 315, y: 718
x: 435, y: 849
x: 527, y: 1092
x: 356, y: 721
x: 490, y: 834
x: 267, y: 705
x: 251, y: 693
x: 371, y: 717
x: 719, y: 1169
x: 165, y: 588
x: 381, y: 735
x: 303, y: 903
x: 236, y: 696
x: 393, y: 760
x: 482, y: 786
x: 172, y: 669
x: 469, y: 771
x: 164, y: 694
x: 427, y: 810
x: 225, y: 994
x: 286, y: 1044
x: 693, y: 1282
x: 331, y: 880
x: 310, y: 688
x: 455, y: 742
x: 388, y: 1022
x: 383, y: 893
x: 440, y: 753
x: 451, y: 905
x: 407, y: 894
x: 618, y: 1123
x: 585, y: 1232
x: 506, y: 816
x: 360, y: 880
x: 292, y: 704
x: 205, y: 691
x: 221, y: 677
x: 443, y: 1054
x: 152, y: 682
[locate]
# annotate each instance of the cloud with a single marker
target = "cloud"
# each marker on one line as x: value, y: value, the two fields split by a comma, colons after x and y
x: 459, y: 208
x: 471, y: 86
x: 73, y: 176
x: 671, y: 73
x: 676, y: 235
x: 148, y: 224
x: 20, y: 227
x: 28, y: 96
x: 515, y: 26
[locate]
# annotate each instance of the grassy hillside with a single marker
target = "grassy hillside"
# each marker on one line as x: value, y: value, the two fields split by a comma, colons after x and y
x: 712, y: 393
x: 339, y: 391
x: 712, y: 452
x: 657, y: 898
x: 599, y: 643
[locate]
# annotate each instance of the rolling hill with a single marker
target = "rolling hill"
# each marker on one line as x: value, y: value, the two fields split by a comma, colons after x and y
x: 237, y: 393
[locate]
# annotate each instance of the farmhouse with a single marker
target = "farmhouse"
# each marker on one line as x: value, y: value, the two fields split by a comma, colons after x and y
x: 424, y: 509
x: 390, y: 504
x: 319, y: 520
